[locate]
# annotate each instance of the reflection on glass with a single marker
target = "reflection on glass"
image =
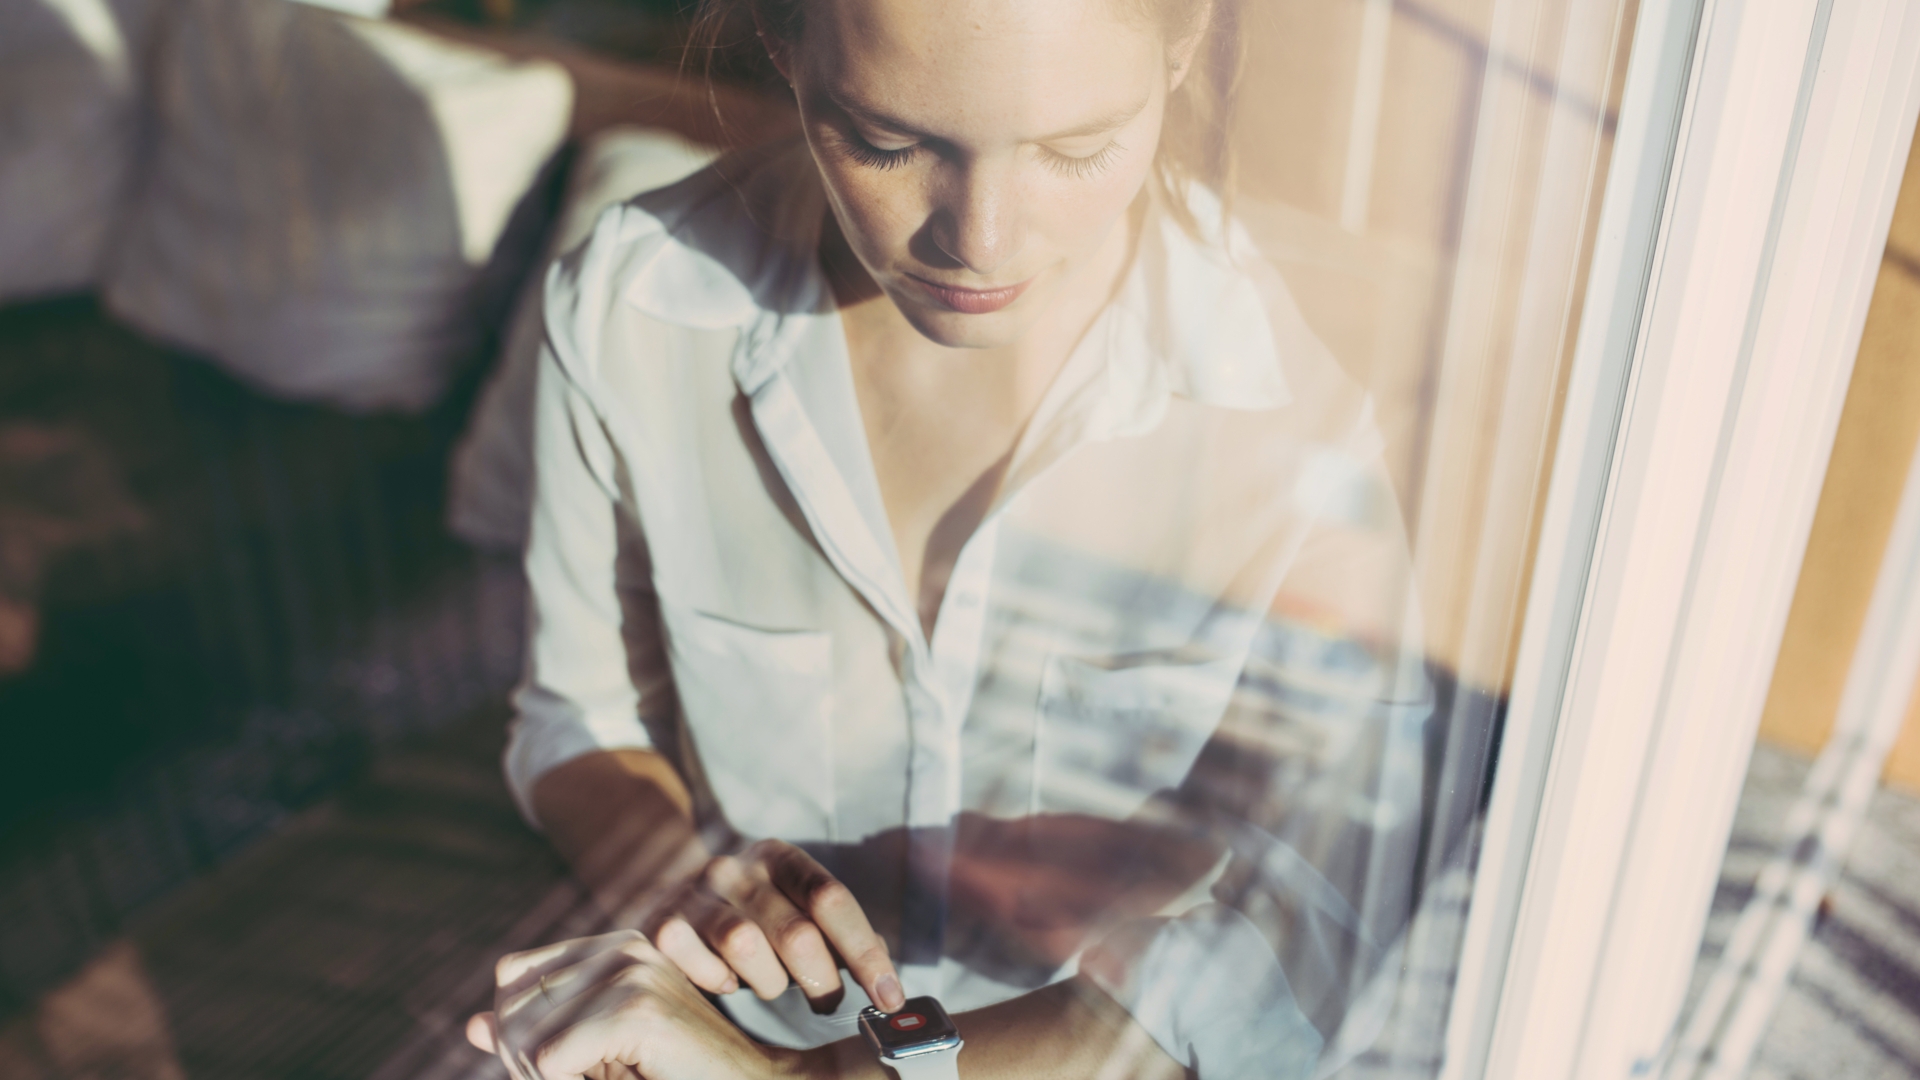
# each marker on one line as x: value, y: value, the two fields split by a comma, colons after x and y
x: 1032, y: 546
x: 1048, y: 539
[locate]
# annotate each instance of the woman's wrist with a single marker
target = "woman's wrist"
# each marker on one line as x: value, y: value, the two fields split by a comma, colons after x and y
x: 815, y: 1064
x: 848, y: 1059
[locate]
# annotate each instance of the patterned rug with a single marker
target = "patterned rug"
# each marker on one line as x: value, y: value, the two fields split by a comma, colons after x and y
x: 353, y: 943
x: 1852, y: 1009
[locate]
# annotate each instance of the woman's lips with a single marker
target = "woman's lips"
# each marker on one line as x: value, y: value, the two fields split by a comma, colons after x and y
x: 972, y: 301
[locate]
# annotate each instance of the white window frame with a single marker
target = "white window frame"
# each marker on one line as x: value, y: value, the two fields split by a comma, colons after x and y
x: 1759, y: 152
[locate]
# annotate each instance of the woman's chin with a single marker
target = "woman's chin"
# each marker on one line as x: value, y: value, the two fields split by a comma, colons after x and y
x: 959, y: 330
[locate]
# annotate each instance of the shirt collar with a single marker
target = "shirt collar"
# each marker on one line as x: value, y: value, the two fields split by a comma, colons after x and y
x: 1203, y: 318
x: 1207, y: 317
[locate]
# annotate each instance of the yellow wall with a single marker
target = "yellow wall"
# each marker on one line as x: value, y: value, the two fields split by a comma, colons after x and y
x: 1903, y: 765
x: 1434, y: 304
x: 1879, y: 430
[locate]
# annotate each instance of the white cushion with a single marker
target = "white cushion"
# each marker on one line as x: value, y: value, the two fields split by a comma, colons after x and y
x: 69, y: 135
x: 325, y: 196
x: 371, y: 9
x: 491, y: 490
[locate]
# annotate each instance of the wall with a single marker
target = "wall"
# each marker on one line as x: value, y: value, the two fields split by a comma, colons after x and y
x: 1452, y: 294
x: 1878, y: 436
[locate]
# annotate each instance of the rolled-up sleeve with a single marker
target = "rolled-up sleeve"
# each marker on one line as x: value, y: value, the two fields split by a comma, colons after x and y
x: 584, y: 560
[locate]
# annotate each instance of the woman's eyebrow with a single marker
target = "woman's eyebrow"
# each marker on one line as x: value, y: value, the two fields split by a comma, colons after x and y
x: 876, y: 118
x: 1095, y: 126
x: 1099, y: 124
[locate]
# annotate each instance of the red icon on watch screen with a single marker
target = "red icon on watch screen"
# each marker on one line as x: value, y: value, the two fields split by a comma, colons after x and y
x: 907, y: 1021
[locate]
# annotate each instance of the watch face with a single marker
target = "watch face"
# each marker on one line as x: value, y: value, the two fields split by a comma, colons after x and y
x: 919, y: 1024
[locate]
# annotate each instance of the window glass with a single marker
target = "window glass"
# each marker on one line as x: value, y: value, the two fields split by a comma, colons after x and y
x: 1016, y: 514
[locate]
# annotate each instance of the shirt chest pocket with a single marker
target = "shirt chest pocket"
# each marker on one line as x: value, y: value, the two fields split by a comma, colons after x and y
x: 1111, y: 731
x: 758, y: 706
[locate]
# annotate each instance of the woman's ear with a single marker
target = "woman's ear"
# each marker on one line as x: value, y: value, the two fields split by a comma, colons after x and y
x: 1180, y: 55
x: 778, y: 50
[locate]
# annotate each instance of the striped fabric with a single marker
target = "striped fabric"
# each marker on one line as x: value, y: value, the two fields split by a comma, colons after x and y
x: 1851, y: 1010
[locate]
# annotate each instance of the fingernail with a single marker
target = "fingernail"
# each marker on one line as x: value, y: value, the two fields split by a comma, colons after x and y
x: 730, y: 985
x: 887, y: 989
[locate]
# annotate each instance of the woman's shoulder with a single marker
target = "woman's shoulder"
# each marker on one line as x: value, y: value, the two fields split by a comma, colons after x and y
x: 1240, y: 345
x: 710, y: 252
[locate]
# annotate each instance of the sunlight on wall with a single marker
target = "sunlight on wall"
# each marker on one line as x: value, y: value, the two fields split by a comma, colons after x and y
x: 1879, y: 433
x: 1442, y: 261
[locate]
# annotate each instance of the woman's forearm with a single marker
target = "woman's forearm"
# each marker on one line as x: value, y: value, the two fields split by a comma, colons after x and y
x: 1068, y: 1030
x: 622, y: 820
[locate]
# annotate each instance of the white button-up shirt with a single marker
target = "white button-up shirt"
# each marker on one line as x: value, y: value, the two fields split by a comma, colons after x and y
x: 1191, y: 592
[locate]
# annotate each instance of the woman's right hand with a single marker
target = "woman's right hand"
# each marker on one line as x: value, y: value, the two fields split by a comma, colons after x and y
x: 766, y: 916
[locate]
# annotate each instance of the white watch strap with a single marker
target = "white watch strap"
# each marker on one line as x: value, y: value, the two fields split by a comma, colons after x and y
x: 944, y: 1065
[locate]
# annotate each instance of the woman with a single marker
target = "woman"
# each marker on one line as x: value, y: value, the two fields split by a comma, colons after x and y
x: 955, y: 561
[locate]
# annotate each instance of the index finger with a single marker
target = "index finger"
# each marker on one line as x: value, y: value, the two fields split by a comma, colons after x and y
x: 832, y: 907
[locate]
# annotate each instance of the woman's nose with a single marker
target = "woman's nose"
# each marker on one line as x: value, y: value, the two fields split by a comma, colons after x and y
x: 977, y: 223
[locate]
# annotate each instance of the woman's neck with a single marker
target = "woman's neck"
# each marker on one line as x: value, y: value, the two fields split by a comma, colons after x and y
x: 942, y: 423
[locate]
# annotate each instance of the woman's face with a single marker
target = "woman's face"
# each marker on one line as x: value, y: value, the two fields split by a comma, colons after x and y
x: 978, y: 153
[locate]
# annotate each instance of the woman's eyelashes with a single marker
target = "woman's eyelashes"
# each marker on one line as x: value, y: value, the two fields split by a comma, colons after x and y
x: 1085, y: 165
x: 874, y: 157
x: 864, y: 152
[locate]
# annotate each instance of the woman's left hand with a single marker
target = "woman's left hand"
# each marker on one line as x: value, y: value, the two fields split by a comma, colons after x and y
x: 611, y: 1007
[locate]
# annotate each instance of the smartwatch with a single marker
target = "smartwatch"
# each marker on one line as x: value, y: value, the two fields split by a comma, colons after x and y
x: 918, y: 1042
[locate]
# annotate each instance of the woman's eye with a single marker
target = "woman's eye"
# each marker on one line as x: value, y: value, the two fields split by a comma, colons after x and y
x: 1082, y: 165
x: 875, y: 157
